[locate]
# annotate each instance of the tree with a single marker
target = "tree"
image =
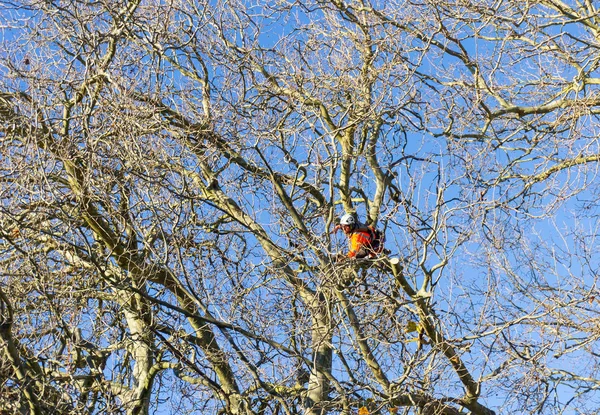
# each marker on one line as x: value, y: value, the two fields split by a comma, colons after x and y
x: 172, y: 172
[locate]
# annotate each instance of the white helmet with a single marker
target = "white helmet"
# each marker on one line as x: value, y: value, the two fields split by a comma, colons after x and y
x: 348, y: 219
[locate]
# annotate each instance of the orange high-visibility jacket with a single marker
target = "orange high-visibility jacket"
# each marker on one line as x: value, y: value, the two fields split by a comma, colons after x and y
x: 361, y: 243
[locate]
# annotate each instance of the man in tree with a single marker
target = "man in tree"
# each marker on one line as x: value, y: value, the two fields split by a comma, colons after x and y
x: 364, y: 240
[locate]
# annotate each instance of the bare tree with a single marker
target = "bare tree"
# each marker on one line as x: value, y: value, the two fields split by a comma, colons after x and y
x: 172, y: 171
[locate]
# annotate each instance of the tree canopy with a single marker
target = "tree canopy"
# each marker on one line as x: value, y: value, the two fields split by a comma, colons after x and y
x: 171, y: 173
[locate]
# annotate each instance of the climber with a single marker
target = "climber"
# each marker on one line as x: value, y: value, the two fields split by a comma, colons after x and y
x: 365, y: 241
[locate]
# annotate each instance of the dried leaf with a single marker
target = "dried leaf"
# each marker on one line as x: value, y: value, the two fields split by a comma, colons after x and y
x: 412, y: 326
